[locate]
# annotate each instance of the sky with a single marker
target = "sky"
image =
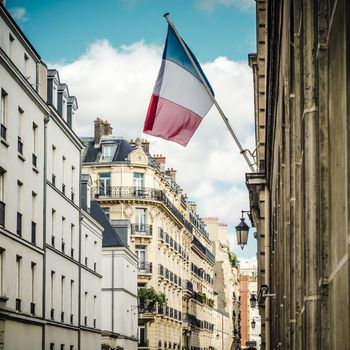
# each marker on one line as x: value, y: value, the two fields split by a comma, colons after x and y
x: 109, y: 53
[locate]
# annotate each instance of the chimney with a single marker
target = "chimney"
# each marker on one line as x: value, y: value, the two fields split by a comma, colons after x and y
x: 145, y: 145
x: 192, y: 206
x: 172, y: 173
x: 160, y: 160
x: 102, y: 128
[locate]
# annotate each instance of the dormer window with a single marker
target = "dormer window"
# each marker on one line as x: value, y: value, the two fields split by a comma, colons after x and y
x: 107, y: 153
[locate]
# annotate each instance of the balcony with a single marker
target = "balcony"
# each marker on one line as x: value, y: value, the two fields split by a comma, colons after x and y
x: 20, y: 146
x: 33, y: 232
x: 141, y: 230
x: 203, y: 249
x: 144, y: 267
x: 19, y: 224
x: 2, y: 213
x: 187, y: 285
x: 133, y: 192
x: 34, y: 159
x: 32, y: 308
x: 3, y: 131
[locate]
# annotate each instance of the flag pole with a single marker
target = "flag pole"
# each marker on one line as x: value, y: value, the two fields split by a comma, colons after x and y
x: 222, y: 114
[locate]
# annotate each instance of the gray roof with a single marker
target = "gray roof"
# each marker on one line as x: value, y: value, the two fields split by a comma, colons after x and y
x: 110, y: 235
x: 92, y: 153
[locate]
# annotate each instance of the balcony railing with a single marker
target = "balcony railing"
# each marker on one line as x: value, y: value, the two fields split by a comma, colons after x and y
x: 141, y: 229
x: 33, y: 232
x: 20, y: 146
x: 3, y: 131
x: 19, y: 223
x: 145, y: 267
x: 2, y: 213
x: 187, y: 285
x: 34, y: 159
x: 203, y: 249
x: 133, y: 192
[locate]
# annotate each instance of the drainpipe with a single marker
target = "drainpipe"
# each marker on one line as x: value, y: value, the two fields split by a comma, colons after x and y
x: 46, y: 121
x: 267, y: 266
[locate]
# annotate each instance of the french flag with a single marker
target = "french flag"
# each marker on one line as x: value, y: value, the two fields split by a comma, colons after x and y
x: 180, y: 100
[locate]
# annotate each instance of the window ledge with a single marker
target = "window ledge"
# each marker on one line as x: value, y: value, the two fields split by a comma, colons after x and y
x: 3, y: 298
x: 4, y: 142
x: 20, y: 156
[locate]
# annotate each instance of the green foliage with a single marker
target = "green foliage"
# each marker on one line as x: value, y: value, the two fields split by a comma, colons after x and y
x: 150, y: 295
x: 203, y: 297
x: 211, y: 302
x: 233, y: 259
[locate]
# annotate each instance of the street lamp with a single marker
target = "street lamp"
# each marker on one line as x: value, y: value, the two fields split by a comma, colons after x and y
x: 242, y: 230
x: 253, y: 301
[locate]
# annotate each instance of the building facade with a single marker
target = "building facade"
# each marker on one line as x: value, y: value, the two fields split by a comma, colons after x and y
x: 172, y: 245
x: 299, y: 197
x: 49, y: 291
x: 226, y: 286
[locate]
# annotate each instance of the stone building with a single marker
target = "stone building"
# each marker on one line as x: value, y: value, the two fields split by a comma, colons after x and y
x: 49, y: 286
x: 299, y: 197
x: 226, y: 286
x: 172, y: 245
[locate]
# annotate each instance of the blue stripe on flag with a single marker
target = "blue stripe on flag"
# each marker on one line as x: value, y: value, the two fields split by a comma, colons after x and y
x: 174, y: 52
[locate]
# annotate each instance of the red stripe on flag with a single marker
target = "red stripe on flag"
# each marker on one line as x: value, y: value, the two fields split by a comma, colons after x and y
x: 171, y: 121
x: 151, y: 113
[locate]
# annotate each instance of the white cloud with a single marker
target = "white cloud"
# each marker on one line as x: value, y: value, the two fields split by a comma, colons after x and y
x: 249, y: 263
x: 116, y: 84
x: 209, y: 5
x: 19, y: 14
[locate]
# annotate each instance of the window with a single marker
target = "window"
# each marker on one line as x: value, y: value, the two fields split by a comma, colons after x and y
x: 2, y: 197
x: 32, y: 304
x: 85, y: 308
x: 138, y: 180
x: 19, y: 207
x: 72, y: 240
x: 20, y: 130
x: 52, y: 300
x: 62, y: 297
x: 18, y: 278
x: 63, y: 227
x: 34, y: 156
x: 53, y: 226
x: 53, y: 160
x: 71, y: 300
x: 72, y: 183
x: 2, y: 256
x: 95, y: 247
x: 85, y: 249
x: 26, y: 62
x: 63, y: 174
x: 107, y: 153
x: 106, y: 211
x: 3, y: 114
x: 52, y: 346
x: 140, y: 217
x: 11, y: 46
x: 141, y: 255
x: 105, y: 184
x: 95, y: 311
x: 141, y: 335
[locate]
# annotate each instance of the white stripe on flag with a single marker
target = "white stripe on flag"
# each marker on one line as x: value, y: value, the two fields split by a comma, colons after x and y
x: 182, y: 88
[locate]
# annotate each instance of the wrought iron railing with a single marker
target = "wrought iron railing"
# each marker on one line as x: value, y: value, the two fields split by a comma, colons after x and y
x: 141, y: 229
x: 134, y: 192
x: 144, y: 266
x: 203, y: 249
